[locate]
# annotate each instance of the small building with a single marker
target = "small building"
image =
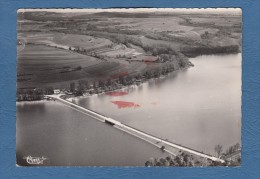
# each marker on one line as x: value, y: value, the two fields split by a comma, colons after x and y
x: 56, y: 91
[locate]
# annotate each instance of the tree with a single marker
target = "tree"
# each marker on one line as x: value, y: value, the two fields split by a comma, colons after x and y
x: 178, y: 160
x: 101, y: 83
x: 72, y: 87
x: 95, y: 84
x: 81, y: 87
x: 148, y: 74
x: 236, y: 146
x: 78, y: 92
x: 109, y: 82
x: 233, y: 149
x: 82, y: 84
x: 218, y: 149
x: 50, y: 90
x: 148, y: 163
x: 186, y: 158
x: 121, y: 79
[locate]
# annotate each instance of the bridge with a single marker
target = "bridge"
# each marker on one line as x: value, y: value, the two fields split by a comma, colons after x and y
x: 131, y: 130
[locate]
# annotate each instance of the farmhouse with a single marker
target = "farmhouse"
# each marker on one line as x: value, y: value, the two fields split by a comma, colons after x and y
x: 56, y: 91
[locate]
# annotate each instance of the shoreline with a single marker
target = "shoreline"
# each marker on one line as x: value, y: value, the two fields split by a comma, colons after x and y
x: 194, y: 55
x: 86, y: 95
x: 222, y: 50
x: 33, y: 102
x: 145, y: 80
x: 123, y: 87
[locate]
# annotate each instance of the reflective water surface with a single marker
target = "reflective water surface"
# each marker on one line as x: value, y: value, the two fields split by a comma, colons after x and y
x: 198, y: 108
x: 67, y: 137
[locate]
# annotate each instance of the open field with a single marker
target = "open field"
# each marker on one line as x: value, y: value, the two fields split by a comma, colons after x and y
x: 66, y: 40
x: 55, y: 49
x: 41, y: 66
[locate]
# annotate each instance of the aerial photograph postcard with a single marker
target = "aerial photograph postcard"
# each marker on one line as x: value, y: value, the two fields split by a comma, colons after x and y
x: 129, y: 87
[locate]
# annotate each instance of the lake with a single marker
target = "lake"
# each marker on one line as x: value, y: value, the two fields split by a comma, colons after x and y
x: 199, y: 107
x: 67, y: 137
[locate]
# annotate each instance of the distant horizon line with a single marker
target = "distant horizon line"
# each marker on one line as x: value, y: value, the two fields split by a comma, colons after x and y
x: 237, y: 11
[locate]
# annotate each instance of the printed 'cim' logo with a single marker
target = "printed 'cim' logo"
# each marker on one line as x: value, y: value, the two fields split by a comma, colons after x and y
x: 35, y: 160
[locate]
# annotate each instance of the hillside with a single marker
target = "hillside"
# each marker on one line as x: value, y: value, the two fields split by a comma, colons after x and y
x: 57, y: 49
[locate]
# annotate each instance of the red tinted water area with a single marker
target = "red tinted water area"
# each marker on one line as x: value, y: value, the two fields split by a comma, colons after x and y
x: 125, y: 104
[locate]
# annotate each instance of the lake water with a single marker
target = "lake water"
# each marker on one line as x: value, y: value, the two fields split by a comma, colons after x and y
x: 198, y: 108
x: 67, y: 137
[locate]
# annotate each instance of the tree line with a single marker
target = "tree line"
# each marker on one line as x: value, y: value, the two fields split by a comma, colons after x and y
x: 33, y: 94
